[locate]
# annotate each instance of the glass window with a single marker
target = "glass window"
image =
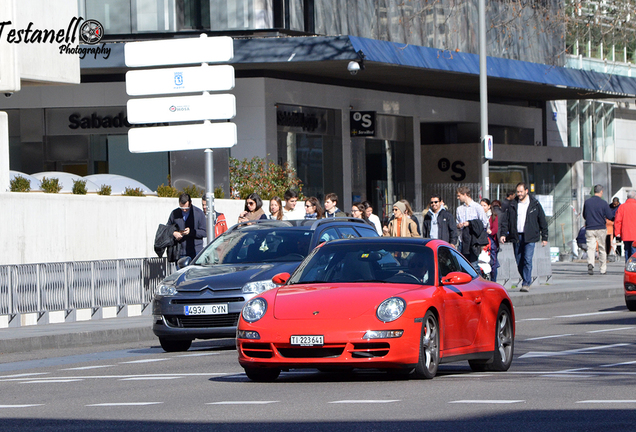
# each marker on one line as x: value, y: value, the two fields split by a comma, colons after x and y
x: 367, y: 231
x: 329, y: 234
x: 348, y: 232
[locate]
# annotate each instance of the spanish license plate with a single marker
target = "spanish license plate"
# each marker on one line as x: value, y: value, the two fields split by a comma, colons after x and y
x: 215, y: 309
x: 308, y: 340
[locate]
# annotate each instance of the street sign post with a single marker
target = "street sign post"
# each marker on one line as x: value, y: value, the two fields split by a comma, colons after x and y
x: 182, y: 137
x: 179, y: 51
x: 181, y: 108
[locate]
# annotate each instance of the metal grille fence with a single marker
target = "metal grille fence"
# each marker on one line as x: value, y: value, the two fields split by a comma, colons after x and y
x: 28, y: 288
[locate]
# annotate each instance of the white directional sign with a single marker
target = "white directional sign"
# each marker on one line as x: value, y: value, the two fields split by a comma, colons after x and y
x: 182, y: 137
x: 179, y: 80
x: 181, y: 108
x: 179, y: 51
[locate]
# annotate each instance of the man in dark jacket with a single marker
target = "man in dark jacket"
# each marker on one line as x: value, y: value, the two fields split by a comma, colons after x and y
x: 524, y: 225
x: 439, y: 223
x: 596, y: 213
x: 191, y: 224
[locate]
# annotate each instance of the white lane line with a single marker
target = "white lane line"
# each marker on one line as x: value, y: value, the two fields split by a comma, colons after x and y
x: 617, y: 401
x: 486, y: 401
x: 242, y: 402
x: 119, y: 404
x: 611, y: 330
x: 19, y: 406
x: 197, y: 355
x: 534, y: 354
x: 533, y: 319
x: 547, y: 337
x: 586, y: 314
x: 467, y: 375
x: 24, y: 375
x: 87, y: 367
x: 149, y: 378
x: 556, y: 375
x: 51, y: 381
x: 619, y: 364
x: 144, y: 361
x: 175, y: 375
x: 365, y: 401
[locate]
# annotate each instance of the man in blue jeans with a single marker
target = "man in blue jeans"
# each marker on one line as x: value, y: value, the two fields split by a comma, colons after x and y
x: 524, y: 225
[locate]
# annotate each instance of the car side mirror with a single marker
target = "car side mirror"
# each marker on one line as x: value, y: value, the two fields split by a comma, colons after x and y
x: 281, y: 278
x: 184, y: 262
x: 456, y: 278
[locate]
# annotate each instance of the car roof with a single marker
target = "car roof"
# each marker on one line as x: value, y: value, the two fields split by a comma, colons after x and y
x: 383, y: 240
x: 305, y: 224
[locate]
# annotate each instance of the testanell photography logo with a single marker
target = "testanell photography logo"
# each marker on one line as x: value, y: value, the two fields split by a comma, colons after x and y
x: 88, y: 32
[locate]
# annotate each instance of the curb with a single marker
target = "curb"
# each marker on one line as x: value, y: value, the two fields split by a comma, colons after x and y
x: 535, y: 299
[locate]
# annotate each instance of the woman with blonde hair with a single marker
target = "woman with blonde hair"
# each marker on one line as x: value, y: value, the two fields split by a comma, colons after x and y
x: 401, y: 225
x: 276, y: 208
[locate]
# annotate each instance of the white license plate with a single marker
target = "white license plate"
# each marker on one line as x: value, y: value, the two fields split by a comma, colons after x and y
x: 307, y: 340
x: 215, y: 309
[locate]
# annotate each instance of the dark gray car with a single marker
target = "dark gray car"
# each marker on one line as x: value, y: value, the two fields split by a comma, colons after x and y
x: 204, y: 299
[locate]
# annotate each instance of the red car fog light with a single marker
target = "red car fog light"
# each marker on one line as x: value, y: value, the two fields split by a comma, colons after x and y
x: 630, y: 287
x: 383, y: 334
x: 247, y: 334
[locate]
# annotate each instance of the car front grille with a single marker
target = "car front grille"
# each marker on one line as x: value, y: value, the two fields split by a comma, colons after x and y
x: 325, y: 351
x: 207, y: 300
x: 202, y: 321
x: 370, y: 349
x: 257, y: 350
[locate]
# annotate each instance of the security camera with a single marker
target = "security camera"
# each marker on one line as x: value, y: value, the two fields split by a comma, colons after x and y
x: 8, y: 94
x: 353, y: 67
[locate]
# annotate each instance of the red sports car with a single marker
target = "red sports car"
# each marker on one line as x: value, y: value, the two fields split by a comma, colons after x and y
x: 629, y: 282
x: 404, y: 305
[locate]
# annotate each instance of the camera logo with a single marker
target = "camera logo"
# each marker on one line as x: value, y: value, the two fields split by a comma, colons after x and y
x: 91, y: 32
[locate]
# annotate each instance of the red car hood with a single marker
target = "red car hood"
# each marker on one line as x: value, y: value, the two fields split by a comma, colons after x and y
x: 328, y: 302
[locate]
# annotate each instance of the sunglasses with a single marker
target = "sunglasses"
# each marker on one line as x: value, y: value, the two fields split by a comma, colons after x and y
x: 395, y: 209
x: 309, y: 205
x: 251, y: 203
x: 434, y: 202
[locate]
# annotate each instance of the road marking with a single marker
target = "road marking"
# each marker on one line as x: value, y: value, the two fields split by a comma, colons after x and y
x: 547, y: 337
x: 534, y: 354
x: 365, y: 401
x: 51, y: 381
x: 242, y: 402
x: 150, y: 378
x: 598, y: 401
x: 566, y: 375
x: 466, y: 375
x: 197, y: 355
x: 485, y: 401
x: 144, y: 361
x: 19, y: 406
x: 87, y: 367
x: 118, y: 404
x: 612, y: 329
x: 533, y: 319
x: 586, y: 314
x: 619, y: 364
x: 24, y: 375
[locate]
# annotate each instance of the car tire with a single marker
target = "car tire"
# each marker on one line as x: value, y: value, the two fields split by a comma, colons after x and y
x: 631, y: 304
x: 262, y: 374
x: 429, y: 348
x: 175, y: 345
x: 504, y: 341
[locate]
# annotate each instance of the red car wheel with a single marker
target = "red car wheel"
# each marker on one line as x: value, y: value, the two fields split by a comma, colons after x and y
x: 429, y: 348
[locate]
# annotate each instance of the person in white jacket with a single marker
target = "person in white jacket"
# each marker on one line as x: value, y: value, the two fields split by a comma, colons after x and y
x: 372, y: 217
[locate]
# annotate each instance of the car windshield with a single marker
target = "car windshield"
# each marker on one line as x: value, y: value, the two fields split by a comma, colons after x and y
x: 257, y: 246
x: 364, y: 262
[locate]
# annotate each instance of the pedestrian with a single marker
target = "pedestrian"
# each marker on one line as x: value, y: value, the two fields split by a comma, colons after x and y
x: 472, y: 224
x: 313, y: 210
x: 368, y: 209
x: 220, y: 224
x: 596, y: 212
x: 610, y: 241
x: 625, y: 224
x: 291, y: 197
x: 191, y: 227
x: 358, y: 211
x: 409, y: 213
x: 438, y: 223
x: 493, y: 240
x: 253, y: 209
x: 331, y: 206
x: 524, y: 225
x: 510, y: 196
x: 401, y: 225
x: 275, y: 208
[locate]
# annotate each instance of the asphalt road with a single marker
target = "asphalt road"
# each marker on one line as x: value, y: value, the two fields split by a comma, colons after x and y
x: 574, y: 369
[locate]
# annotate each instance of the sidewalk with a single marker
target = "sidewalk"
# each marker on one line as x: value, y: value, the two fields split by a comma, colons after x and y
x: 569, y: 282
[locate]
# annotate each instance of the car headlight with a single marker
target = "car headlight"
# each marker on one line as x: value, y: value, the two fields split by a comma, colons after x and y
x: 630, y: 266
x: 254, y: 310
x: 391, y: 309
x: 258, y: 286
x: 166, y: 290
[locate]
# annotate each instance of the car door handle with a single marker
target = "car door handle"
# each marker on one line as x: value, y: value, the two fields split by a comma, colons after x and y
x: 478, y: 300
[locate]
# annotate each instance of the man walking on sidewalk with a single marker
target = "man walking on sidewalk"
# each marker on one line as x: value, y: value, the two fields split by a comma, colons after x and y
x: 625, y: 224
x: 524, y: 225
x: 595, y: 212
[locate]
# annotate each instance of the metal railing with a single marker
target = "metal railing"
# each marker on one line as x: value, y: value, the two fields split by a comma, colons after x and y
x: 66, y: 286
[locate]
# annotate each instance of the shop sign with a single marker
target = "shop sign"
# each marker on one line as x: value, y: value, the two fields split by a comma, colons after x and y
x: 301, y: 119
x: 362, y: 123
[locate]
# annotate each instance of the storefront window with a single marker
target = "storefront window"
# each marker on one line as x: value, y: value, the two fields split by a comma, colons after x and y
x: 591, y: 126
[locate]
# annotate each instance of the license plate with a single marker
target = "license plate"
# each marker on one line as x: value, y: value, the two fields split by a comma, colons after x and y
x: 307, y: 340
x: 216, y: 309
